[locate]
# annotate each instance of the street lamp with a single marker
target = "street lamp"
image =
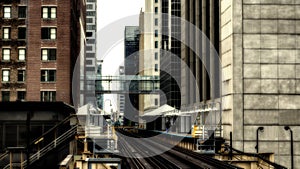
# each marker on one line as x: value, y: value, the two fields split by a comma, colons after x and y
x: 292, y: 146
x: 261, y: 129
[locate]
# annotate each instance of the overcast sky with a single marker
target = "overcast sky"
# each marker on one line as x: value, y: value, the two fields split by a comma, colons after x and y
x: 108, y: 13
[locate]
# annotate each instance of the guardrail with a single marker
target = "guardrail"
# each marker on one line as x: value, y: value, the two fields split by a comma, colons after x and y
x: 62, y: 138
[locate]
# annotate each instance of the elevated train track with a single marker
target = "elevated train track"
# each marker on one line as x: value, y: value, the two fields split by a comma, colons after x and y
x: 173, y: 158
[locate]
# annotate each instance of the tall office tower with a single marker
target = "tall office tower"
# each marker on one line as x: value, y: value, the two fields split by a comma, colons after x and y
x: 40, y: 42
x: 131, y: 48
x: 259, y: 49
x: 198, y: 55
x: 90, y: 68
x: 167, y: 49
x: 121, y: 97
x: 149, y: 55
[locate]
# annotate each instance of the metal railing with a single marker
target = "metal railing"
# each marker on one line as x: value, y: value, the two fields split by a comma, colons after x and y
x: 62, y: 138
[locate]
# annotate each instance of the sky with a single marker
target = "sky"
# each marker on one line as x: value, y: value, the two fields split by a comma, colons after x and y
x: 109, y: 13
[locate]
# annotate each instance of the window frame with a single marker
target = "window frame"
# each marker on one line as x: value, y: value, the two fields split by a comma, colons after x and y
x: 156, y: 44
x: 8, y: 33
x: 47, y: 76
x: 24, y: 15
x: 156, y: 33
x: 156, y: 55
x: 21, y: 49
x: 156, y: 67
x: 50, y: 96
x: 2, y: 96
x: 23, y: 94
x: 3, y: 54
x: 19, y: 31
x: 49, y: 12
x: 9, y: 13
x: 7, y: 76
x: 49, y: 33
x: 23, y: 75
x: 47, y: 52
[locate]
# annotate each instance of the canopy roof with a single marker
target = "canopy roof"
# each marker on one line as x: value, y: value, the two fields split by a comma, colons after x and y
x: 160, y: 110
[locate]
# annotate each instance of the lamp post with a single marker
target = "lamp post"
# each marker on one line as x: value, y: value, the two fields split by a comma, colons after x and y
x: 261, y: 129
x: 292, y: 146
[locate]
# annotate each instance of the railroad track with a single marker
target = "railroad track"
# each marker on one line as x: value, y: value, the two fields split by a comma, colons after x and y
x: 173, y: 158
x: 137, y: 151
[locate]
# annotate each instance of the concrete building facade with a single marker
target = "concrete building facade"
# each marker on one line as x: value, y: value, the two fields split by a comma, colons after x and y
x: 91, y: 58
x: 259, y: 51
x: 149, y: 51
x: 40, y: 42
x: 121, y: 97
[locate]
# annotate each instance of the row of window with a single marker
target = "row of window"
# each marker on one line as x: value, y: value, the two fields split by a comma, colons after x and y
x: 46, y: 33
x: 46, y: 75
x: 47, y: 12
x: 46, y: 96
x: 6, y: 95
x: 46, y: 54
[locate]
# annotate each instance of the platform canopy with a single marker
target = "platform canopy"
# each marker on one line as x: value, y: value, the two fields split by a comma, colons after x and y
x: 162, y: 110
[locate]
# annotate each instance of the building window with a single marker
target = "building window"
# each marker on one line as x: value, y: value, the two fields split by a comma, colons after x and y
x: 91, y: 27
x: 156, y: 44
x: 22, y: 12
x: 48, y: 33
x: 21, y: 33
x: 6, y: 33
x: 5, y: 54
x: 48, y: 54
x: 89, y: 20
x: 21, y: 95
x: 21, y: 54
x: 48, y: 96
x: 5, y: 96
x: 156, y: 33
x: 156, y: 102
x: 7, y: 12
x: 156, y: 22
x: 49, y: 12
x: 156, y: 68
x: 48, y: 75
x: 90, y: 13
x: 156, y: 10
x: 156, y: 1
x: 156, y: 56
x: 5, y: 75
x: 89, y: 6
x: 21, y: 75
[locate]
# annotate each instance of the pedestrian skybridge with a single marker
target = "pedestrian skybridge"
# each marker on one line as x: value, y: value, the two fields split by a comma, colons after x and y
x: 131, y: 84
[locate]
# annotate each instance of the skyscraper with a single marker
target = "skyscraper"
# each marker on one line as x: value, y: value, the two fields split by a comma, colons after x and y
x: 258, y: 44
x: 149, y: 53
x: 40, y: 42
x: 170, y: 65
x: 90, y: 67
x: 132, y: 35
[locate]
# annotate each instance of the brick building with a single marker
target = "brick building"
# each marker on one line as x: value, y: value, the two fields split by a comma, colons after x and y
x: 40, y: 42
